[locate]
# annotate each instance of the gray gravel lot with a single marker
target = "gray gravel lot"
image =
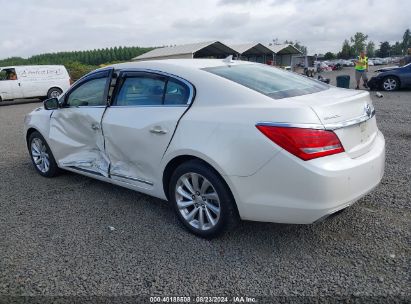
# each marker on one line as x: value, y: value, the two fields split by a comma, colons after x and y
x: 55, y: 239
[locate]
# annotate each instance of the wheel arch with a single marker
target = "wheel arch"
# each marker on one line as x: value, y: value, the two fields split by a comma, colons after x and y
x: 180, y: 159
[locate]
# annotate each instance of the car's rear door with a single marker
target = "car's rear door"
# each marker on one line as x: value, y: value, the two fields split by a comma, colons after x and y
x: 140, y: 123
x: 75, y: 133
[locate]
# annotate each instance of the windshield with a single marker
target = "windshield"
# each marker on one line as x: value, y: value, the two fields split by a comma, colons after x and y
x: 270, y: 81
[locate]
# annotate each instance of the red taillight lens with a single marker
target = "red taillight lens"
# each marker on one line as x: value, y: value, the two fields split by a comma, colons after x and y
x: 304, y: 143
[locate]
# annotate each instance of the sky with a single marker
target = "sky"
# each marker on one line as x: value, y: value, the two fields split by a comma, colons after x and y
x: 30, y: 27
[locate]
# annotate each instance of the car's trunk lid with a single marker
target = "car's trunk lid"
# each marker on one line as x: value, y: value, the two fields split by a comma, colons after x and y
x: 349, y: 114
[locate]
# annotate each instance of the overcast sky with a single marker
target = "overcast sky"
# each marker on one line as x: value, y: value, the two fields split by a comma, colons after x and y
x: 30, y: 27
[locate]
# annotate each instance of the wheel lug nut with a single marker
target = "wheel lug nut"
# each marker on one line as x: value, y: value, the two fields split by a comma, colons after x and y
x: 198, y: 193
x: 204, y: 199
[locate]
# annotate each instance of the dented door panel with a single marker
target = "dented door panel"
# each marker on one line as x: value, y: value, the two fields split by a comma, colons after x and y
x: 76, y: 135
x: 136, y: 139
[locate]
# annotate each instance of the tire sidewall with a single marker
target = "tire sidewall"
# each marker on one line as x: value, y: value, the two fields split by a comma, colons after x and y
x: 54, y: 90
x: 53, y: 169
x: 396, y: 83
x: 227, y: 212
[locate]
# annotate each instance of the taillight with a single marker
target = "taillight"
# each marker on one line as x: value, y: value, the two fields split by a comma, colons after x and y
x: 304, y: 143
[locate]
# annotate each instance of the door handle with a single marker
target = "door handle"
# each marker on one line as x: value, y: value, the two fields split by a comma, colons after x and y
x: 95, y: 126
x: 158, y: 130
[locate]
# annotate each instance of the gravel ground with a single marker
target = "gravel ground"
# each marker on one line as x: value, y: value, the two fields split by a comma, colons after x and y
x: 55, y: 239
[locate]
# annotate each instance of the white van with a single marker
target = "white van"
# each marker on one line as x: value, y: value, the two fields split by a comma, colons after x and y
x: 36, y: 81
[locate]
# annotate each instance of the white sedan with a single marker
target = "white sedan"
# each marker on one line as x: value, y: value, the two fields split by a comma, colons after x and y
x: 219, y: 139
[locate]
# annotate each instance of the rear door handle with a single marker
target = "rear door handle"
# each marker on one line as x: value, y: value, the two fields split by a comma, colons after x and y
x: 158, y: 130
x: 95, y: 126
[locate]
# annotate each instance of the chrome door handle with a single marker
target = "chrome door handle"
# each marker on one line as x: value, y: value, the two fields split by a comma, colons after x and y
x: 95, y: 126
x: 158, y: 130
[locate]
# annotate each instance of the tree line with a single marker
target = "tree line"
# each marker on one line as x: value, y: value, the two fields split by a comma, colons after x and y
x: 353, y: 46
x: 79, y: 63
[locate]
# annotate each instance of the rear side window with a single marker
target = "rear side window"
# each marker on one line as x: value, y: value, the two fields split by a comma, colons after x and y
x: 177, y: 93
x: 152, y: 91
x: 270, y: 81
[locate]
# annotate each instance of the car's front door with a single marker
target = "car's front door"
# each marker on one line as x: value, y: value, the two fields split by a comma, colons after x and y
x: 75, y: 129
x: 140, y: 123
x: 10, y: 85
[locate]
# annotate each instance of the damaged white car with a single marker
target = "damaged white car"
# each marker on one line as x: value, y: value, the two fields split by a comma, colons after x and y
x: 219, y: 139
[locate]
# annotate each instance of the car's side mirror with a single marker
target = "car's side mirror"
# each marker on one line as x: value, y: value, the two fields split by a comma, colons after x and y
x: 51, y: 104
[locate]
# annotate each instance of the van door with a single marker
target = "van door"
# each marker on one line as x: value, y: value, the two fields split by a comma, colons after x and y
x: 75, y: 129
x: 140, y: 124
x: 10, y: 85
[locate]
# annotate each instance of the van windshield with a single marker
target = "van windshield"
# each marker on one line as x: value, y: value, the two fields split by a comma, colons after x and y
x: 273, y: 82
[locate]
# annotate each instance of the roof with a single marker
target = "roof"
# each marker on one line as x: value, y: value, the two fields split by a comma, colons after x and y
x: 211, y: 47
x: 251, y: 48
x: 284, y: 49
x: 196, y: 64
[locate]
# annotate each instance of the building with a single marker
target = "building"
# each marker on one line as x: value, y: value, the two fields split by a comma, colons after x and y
x: 255, y: 52
x: 274, y: 55
x: 211, y: 49
x: 284, y: 53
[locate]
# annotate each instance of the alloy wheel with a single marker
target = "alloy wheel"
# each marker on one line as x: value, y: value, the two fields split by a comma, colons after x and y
x: 390, y: 84
x: 197, y: 201
x: 40, y: 156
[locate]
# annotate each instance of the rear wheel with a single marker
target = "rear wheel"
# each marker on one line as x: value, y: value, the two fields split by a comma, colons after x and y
x: 390, y: 83
x: 201, y: 199
x: 54, y: 93
x: 41, y: 156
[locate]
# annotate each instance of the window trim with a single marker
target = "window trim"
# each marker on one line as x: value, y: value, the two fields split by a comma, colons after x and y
x: 151, y: 73
x: 99, y: 74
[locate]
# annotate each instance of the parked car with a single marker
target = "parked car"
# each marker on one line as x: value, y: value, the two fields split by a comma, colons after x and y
x: 36, y: 81
x: 219, y: 139
x: 391, y: 78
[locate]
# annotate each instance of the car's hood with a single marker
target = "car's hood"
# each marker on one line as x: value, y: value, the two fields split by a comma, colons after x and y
x: 388, y: 69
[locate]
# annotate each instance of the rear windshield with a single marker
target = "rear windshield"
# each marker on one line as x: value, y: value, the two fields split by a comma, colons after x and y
x: 270, y: 81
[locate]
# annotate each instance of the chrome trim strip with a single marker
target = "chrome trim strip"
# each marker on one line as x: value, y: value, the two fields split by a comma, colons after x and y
x: 350, y: 122
x: 132, y: 178
x: 329, y: 127
x: 85, y: 170
x: 291, y: 125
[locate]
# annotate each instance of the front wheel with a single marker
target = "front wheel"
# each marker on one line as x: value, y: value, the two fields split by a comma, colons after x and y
x: 390, y: 83
x: 41, y: 156
x: 201, y: 199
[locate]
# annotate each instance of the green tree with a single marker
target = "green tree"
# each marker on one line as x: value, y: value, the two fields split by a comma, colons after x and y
x: 359, y: 42
x: 370, y: 49
x: 346, y: 51
x: 385, y: 49
x: 396, y: 49
x: 329, y: 56
x: 406, y: 41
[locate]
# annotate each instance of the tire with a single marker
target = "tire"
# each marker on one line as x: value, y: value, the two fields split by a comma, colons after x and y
x: 390, y: 83
x: 41, y: 156
x: 206, y: 207
x: 54, y: 93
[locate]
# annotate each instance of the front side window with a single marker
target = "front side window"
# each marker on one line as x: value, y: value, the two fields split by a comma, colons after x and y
x: 90, y: 93
x: 8, y: 74
x: 270, y: 81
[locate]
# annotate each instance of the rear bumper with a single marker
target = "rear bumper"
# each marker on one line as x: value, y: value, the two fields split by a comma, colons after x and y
x: 289, y: 190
